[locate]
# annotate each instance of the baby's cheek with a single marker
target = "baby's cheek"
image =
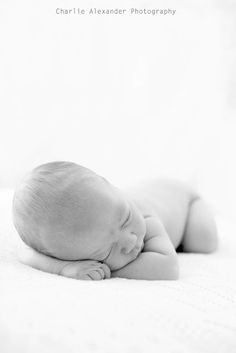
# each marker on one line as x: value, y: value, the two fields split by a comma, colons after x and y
x: 116, y: 262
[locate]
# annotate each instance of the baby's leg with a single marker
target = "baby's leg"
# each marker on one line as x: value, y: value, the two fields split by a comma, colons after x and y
x: 200, y: 232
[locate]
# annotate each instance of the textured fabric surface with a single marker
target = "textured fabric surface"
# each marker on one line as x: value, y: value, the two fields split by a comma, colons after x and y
x: 40, y: 312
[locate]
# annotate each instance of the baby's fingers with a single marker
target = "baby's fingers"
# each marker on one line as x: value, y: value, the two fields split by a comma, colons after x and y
x: 96, y: 274
x: 86, y: 278
x: 106, y: 270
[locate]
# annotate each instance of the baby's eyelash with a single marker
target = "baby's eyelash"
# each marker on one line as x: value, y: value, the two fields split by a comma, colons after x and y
x: 127, y: 219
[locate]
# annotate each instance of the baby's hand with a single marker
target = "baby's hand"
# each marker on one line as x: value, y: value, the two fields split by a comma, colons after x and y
x: 86, y: 270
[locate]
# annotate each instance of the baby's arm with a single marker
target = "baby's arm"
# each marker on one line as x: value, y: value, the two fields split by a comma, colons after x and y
x: 86, y: 269
x: 158, y: 261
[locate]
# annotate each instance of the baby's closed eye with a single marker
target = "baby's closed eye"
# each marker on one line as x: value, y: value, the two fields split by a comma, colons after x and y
x: 127, y: 219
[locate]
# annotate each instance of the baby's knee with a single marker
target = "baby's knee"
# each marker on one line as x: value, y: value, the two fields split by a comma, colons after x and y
x: 208, y: 228
x: 209, y: 238
x: 201, y: 231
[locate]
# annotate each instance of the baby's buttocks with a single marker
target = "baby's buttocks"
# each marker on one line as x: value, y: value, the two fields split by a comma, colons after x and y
x: 169, y: 200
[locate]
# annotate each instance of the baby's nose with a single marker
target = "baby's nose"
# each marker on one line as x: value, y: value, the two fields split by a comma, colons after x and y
x: 128, y: 243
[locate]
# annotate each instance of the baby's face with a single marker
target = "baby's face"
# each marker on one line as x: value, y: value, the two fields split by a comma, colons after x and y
x: 120, y: 240
x: 113, y: 230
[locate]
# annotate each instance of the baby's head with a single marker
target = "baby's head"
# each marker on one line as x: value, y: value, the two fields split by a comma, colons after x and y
x: 69, y: 212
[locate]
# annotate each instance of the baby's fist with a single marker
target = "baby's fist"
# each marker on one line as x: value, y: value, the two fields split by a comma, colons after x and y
x: 86, y: 270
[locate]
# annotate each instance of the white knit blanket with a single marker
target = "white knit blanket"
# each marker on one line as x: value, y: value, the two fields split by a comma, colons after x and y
x: 40, y: 312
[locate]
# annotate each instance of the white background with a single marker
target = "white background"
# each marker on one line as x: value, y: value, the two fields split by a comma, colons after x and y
x: 127, y: 96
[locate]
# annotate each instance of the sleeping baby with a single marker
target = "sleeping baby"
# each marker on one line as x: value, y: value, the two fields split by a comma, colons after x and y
x: 76, y: 224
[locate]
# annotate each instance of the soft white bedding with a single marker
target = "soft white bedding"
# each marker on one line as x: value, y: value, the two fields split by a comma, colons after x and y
x: 40, y: 312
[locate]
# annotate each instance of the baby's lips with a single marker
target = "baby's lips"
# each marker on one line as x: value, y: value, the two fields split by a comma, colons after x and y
x: 140, y: 246
x: 136, y: 251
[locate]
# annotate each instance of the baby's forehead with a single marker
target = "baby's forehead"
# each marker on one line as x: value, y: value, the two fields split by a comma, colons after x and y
x: 101, y: 198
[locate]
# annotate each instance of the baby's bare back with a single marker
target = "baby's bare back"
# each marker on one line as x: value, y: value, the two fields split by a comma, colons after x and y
x: 167, y: 199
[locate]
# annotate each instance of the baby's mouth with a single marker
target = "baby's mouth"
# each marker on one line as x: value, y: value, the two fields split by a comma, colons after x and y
x: 138, y: 248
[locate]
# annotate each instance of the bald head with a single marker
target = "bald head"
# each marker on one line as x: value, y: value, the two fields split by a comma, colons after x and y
x: 51, y: 203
